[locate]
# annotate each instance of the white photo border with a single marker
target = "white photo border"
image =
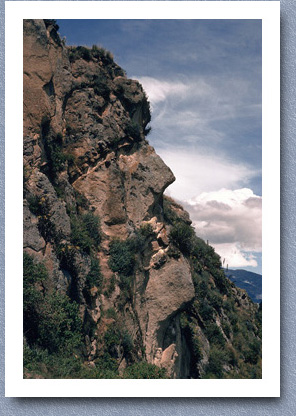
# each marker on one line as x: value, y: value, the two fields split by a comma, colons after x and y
x: 269, y: 13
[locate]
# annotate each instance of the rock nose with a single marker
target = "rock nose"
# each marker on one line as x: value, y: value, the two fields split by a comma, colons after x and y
x: 146, y: 176
x: 162, y: 174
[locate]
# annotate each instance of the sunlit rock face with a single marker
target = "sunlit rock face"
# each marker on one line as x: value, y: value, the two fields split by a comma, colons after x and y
x: 99, y: 117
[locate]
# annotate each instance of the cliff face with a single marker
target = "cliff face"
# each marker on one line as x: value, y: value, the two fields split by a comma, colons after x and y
x: 96, y: 219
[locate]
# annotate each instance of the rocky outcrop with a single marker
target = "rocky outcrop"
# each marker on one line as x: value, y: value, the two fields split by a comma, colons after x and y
x: 99, y: 117
x: 90, y: 179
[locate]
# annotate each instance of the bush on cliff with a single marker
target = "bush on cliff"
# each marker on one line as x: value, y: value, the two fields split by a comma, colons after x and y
x: 94, y: 277
x: 122, y: 257
x: 101, y: 87
x: 133, y: 130
x: 79, y: 52
x: 144, y: 370
x: 181, y: 235
x: 51, y: 320
x: 86, y: 231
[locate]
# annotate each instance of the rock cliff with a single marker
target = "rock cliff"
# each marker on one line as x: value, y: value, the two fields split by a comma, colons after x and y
x: 108, y: 258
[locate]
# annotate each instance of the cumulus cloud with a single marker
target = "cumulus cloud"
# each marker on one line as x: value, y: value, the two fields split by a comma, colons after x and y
x: 199, y: 121
x: 207, y: 129
x: 232, y: 222
x: 233, y: 256
x: 197, y: 172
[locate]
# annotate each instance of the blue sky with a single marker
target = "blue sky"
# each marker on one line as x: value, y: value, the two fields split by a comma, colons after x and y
x: 203, y: 79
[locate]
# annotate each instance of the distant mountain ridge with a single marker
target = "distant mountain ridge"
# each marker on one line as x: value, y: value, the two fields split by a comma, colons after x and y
x: 251, y: 282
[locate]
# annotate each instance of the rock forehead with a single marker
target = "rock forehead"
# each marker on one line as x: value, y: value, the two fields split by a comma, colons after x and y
x: 146, y: 176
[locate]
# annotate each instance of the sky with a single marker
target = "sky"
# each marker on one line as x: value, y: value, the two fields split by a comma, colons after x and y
x: 203, y: 81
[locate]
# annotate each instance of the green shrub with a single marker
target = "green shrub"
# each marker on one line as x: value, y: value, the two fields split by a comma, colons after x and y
x: 181, y: 235
x: 169, y: 215
x: 228, y: 305
x: 35, y: 205
x: 51, y: 321
x: 84, y: 53
x: 122, y: 258
x: 215, y: 300
x: 173, y: 252
x: 214, y: 335
x: 81, y: 200
x: 56, y: 158
x: 33, y: 277
x: 200, y: 249
x: 80, y: 236
x: 254, y: 351
x: 202, y: 289
x: 101, y: 87
x: 205, y: 311
x: 61, y: 366
x: 197, y: 266
x: 143, y: 370
x: 226, y: 329
x: 233, y: 318
x: 217, y: 358
x: 66, y: 254
x: 146, y: 230
x: 94, y: 277
x: 40, y: 207
x: 221, y: 281
x: 116, y: 341
x: 60, y: 326
x: 112, y: 341
x: 136, y: 242
x: 85, y: 231
x: 184, y: 320
x: 92, y: 225
x: 78, y: 53
x: 125, y: 286
x: 133, y: 130
x: 101, y: 53
x: 111, y: 313
x: 127, y: 343
x: 196, y: 349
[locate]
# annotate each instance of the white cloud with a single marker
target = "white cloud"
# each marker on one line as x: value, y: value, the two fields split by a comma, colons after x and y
x: 209, y: 98
x: 203, y: 128
x: 159, y: 90
x: 232, y: 222
x: 197, y: 172
x: 234, y: 256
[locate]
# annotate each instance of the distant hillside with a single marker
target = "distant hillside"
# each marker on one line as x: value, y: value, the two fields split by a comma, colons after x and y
x: 251, y: 282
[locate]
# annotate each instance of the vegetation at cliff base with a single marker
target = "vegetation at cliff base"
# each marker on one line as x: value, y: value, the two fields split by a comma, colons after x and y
x: 53, y: 332
x: 234, y: 340
x: 51, y: 319
x: 144, y: 370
